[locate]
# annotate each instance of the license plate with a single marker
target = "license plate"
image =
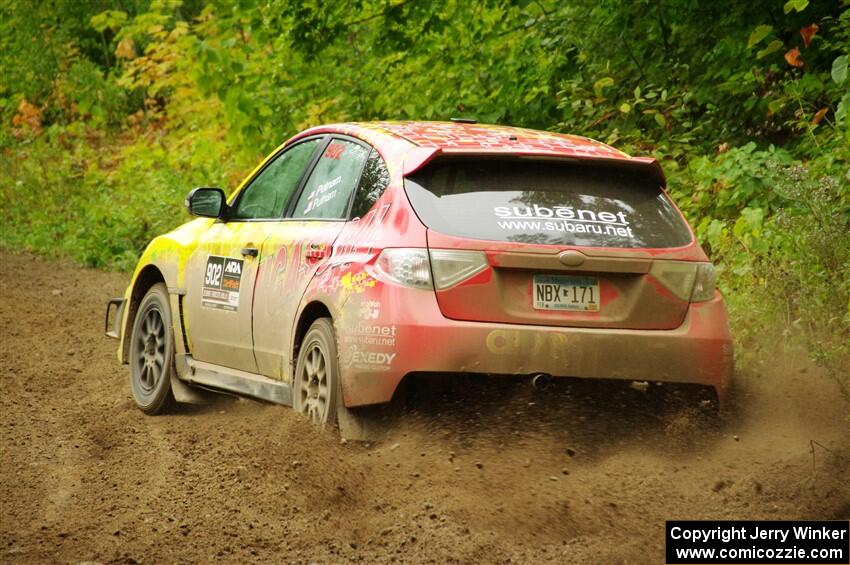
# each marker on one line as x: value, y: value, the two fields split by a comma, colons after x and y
x: 566, y: 293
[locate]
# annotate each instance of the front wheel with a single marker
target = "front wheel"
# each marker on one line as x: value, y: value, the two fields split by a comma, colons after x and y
x: 152, y: 352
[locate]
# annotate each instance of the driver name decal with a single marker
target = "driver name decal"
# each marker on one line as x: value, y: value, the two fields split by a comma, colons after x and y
x: 222, y: 279
x: 320, y: 195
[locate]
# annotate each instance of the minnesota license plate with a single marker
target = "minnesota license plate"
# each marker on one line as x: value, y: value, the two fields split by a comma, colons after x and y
x: 553, y: 292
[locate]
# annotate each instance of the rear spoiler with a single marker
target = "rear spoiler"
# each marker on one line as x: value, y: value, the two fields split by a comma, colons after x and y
x: 416, y: 158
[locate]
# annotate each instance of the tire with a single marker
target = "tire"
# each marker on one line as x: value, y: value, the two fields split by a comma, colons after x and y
x: 317, y: 393
x: 152, y: 352
x: 317, y: 390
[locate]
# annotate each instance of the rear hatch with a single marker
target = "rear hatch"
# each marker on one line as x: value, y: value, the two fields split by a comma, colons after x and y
x: 554, y: 242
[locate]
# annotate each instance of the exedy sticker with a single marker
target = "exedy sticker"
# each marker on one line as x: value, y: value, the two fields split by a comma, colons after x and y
x: 222, y: 279
x: 352, y: 357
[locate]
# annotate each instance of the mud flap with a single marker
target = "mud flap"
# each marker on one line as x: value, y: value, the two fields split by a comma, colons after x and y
x: 112, y: 324
x: 360, y: 424
x: 186, y: 394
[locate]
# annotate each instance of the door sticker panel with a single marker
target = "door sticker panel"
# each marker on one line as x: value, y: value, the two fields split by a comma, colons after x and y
x: 221, y: 283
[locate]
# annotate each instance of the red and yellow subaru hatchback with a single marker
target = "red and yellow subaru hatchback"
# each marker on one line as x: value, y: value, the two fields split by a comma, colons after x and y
x: 358, y: 254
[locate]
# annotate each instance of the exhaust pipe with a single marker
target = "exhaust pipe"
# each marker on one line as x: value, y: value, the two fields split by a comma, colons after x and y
x: 541, y: 380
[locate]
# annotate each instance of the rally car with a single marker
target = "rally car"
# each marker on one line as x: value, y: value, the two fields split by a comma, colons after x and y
x: 359, y: 254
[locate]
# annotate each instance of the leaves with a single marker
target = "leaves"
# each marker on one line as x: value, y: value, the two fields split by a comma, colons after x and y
x: 754, y: 217
x: 27, y: 120
x: 839, y: 69
x: 126, y: 48
x: 600, y: 85
x: 808, y: 32
x: 108, y: 20
x: 772, y: 47
x: 842, y: 110
x: 795, y: 5
x: 793, y: 58
x: 758, y: 35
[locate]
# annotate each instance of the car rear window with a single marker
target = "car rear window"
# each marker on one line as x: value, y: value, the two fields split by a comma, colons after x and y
x: 546, y: 202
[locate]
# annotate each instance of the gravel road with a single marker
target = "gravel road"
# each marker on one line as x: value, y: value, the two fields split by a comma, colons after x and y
x: 570, y: 474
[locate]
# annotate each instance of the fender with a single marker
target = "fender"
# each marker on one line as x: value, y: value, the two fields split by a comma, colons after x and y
x: 165, y: 257
x: 313, y: 304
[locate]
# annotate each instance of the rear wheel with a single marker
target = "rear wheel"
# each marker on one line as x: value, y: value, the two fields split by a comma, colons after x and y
x: 317, y: 391
x: 152, y: 352
x: 317, y: 387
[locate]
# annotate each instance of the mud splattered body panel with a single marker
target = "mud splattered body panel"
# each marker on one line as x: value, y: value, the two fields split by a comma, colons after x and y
x: 486, y: 323
x: 413, y: 336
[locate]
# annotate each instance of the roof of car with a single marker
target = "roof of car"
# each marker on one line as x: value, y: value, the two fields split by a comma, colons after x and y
x: 432, y: 138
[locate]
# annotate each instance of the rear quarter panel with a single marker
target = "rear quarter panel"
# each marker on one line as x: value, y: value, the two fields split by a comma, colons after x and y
x: 346, y: 285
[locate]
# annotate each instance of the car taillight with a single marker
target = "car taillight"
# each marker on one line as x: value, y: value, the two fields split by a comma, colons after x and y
x: 704, y: 284
x: 409, y: 267
x: 686, y: 280
x: 676, y: 276
x: 452, y: 266
x: 437, y: 268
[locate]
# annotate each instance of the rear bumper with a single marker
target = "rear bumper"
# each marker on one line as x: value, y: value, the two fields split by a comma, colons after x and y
x: 409, y: 334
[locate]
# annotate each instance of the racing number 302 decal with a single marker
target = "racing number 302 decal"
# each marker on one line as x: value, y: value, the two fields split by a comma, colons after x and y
x: 221, y: 283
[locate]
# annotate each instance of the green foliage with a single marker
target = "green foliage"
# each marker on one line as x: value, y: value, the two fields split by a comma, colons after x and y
x: 796, y: 5
x: 791, y: 267
x: 108, y: 20
x: 111, y: 112
x: 839, y: 69
x: 758, y: 34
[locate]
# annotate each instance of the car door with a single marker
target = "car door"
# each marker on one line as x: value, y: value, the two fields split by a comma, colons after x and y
x: 222, y: 271
x: 298, y: 246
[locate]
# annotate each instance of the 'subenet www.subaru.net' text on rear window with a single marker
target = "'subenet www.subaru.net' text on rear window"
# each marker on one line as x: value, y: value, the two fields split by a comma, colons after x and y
x: 546, y: 202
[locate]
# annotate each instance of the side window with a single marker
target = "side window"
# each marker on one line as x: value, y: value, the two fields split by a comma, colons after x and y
x: 373, y: 183
x: 269, y: 192
x: 328, y: 190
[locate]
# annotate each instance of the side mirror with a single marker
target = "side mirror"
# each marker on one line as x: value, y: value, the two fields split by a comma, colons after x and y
x: 205, y: 202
